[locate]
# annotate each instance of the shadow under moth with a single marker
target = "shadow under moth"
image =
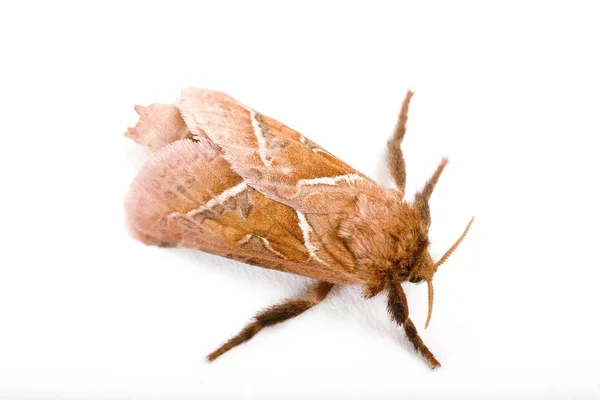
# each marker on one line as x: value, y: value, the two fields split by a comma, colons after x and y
x: 228, y: 180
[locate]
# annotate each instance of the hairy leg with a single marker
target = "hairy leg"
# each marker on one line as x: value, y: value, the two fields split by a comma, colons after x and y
x: 275, y: 314
x: 398, y: 309
x: 396, y: 163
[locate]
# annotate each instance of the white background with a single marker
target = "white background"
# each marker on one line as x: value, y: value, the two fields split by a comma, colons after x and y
x: 509, y: 91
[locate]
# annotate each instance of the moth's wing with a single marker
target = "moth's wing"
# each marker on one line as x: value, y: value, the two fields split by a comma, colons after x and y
x: 273, y: 158
x: 157, y: 126
x: 189, y: 196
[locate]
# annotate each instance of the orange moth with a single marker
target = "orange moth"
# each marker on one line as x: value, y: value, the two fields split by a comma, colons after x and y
x: 228, y: 180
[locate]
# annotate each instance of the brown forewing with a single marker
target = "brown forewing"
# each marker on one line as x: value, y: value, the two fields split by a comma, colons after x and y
x: 248, y: 187
x: 178, y: 200
x: 273, y: 158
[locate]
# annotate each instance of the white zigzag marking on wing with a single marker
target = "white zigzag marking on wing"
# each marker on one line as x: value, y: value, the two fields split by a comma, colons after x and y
x: 219, y: 199
x: 306, y: 230
x: 350, y: 178
x: 262, y: 143
x: 245, y: 239
x: 270, y: 248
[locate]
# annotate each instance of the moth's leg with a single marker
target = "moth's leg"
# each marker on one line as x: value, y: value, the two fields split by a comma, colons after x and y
x: 398, y: 309
x: 396, y: 163
x: 275, y: 314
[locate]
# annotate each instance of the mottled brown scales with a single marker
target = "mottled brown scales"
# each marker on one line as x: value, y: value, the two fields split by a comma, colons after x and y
x: 228, y: 180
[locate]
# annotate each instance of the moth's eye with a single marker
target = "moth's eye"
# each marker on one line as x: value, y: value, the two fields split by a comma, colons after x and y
x: 415, y: 279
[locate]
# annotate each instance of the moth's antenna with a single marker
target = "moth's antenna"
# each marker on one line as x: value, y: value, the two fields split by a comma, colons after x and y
x: 430, y: 295
x: 440, y: 262
x: 455, y: 245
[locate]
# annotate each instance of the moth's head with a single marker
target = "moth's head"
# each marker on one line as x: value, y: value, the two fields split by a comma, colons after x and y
x: 422, y: 267
x: 391, y: 240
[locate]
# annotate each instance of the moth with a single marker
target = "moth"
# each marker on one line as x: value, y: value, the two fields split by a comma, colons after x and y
x: 228, y: 180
